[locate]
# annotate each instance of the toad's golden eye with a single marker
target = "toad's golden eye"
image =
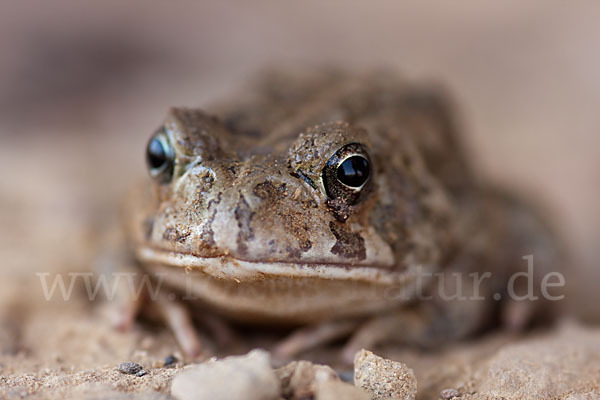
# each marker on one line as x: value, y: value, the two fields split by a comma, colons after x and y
x: 160, y: 157
x: 347, y: 172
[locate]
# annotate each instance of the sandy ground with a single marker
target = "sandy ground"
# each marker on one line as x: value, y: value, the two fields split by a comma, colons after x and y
x: 81, y: 87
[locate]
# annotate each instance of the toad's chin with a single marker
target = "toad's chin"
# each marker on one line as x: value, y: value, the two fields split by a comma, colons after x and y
x: 280, y: 292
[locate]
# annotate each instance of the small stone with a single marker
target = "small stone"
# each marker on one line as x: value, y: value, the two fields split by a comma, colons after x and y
x: 129, y: 368
x: 449, y: 394
x: 336, y: 390
x: 170, y: 360
x: 297, y: 194
x: 346, y: 376
x: 237, y: 377
x: 141, y: 373
x: 383, y: 379
x: 299, y: 379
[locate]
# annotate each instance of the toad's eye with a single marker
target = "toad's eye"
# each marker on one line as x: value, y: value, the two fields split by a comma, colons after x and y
x: 353, y: 171
x: 347, y: 172
x: 160, y: 157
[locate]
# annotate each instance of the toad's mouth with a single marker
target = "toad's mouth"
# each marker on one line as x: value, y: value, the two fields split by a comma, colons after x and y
x: 229, y: 267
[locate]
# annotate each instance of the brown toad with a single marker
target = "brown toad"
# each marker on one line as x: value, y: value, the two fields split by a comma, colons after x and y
x: 345, y: 204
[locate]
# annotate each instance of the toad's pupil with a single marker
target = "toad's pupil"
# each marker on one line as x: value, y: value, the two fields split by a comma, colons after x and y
x: 156, y: 155
x: 354, y: 171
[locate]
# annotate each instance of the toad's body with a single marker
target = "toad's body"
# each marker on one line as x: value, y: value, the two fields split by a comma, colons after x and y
x: 324, y: 198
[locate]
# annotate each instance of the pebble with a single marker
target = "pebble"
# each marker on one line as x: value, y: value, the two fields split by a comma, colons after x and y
x: 300, y: 379
x: 247, y: 377
x: 170, y: 360
x: 129, y: 368
x: 346, y: 376
x: 384, y: 379
x: 337, y: 390
x: 449, y: 394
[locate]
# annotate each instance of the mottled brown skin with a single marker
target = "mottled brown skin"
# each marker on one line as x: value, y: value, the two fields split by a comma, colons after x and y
x: 248, y: 222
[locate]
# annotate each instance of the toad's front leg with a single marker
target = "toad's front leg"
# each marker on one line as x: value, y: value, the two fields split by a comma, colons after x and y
x: 137, y: 295
x: 178, y: 318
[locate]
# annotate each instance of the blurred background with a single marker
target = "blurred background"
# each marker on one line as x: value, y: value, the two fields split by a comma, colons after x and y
x: 82, y: 85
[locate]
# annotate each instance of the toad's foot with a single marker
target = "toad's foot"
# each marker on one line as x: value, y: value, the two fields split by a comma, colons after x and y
x: 166, y: 308
x: 407, y: 325
x: 177, y: 317
x: 312, y: 336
